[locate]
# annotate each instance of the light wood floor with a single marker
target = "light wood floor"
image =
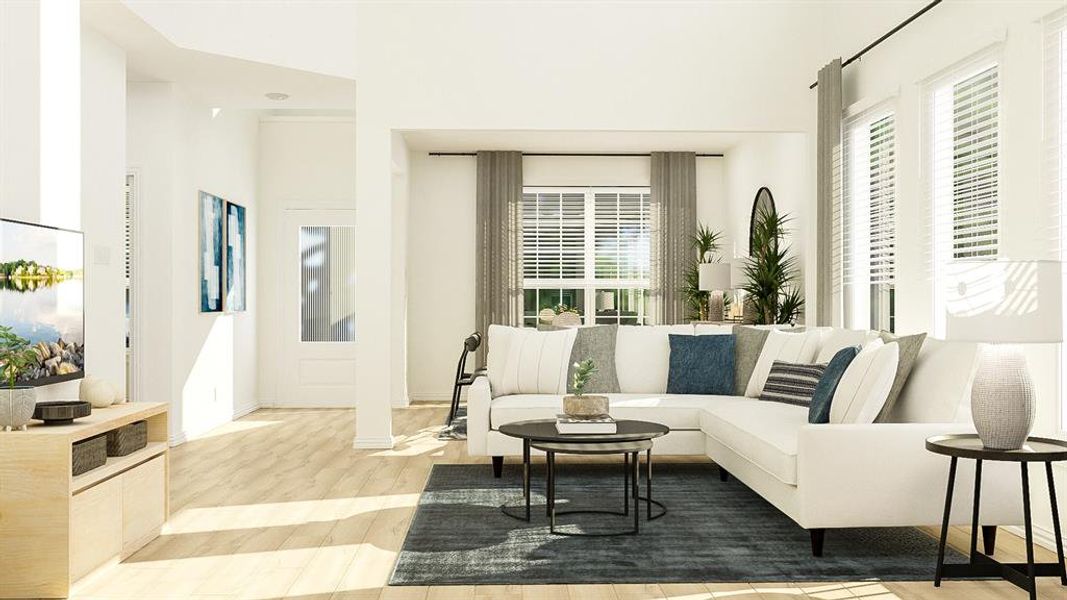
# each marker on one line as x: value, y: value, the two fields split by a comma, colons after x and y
x: 279, y: 505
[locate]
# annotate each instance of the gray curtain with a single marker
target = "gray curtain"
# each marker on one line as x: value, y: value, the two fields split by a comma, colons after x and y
x: 498, y: 250
x: 674, y: 210
x: 828, y: 182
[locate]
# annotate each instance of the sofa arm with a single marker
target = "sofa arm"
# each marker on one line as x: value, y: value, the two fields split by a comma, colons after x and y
x: 479, y: 397
x: 882, y: 475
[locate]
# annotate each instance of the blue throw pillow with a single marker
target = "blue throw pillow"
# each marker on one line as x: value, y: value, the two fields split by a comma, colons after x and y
x: 701, y: 364
x: 819, y: 410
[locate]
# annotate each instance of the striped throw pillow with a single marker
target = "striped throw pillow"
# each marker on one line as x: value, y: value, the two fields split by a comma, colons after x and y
x: 792, y: 383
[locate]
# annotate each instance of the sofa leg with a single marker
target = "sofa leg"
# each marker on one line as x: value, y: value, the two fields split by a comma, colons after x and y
x: 817, y: 538
x: 498, y: 466
x: 724, y: 475
x: 989, y: 539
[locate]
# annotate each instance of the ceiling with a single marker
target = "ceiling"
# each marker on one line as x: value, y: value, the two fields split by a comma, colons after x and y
x: 213, y: 79
x: 577, y: 141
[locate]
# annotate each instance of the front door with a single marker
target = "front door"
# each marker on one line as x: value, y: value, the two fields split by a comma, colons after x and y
x: 318, y: 308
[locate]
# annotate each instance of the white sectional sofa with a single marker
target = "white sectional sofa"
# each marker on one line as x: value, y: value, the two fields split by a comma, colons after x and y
x: 820, y: 475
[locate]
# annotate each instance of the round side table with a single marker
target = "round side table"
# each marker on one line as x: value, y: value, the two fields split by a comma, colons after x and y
x: 1045, y: 450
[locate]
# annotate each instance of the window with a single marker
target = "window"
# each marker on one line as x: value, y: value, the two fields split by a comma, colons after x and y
x: 587, y: 250
x: 1056, y: 142
x: 963, y: 160
x: 869, y: 221
x: 327, y: 284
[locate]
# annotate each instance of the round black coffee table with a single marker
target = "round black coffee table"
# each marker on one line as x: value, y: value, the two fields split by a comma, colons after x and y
x: 1044, y: 450
x: 543, y: 432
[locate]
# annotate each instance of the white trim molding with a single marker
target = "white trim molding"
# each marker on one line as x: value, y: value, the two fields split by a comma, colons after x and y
x: 374, y: 443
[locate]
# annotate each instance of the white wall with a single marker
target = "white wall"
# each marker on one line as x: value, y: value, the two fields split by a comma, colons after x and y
x: 99, y: 200
x: 103, y: 203
x: 204, y: 364
x: 19, y: 110
x: 895, y: 72
x: 781, y: 163
x: 303, y: 163
x: 441, y: 247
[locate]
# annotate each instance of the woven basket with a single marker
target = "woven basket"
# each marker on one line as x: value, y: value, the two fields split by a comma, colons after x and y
x: 127, y: 439
x: 89, y: 454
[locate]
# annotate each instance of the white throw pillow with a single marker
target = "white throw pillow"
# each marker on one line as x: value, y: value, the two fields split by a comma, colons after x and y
x: 536, y: 362
x: 838, y: 339
x: 642, y: 357
x: 865, y: 386
x: 786, y: 347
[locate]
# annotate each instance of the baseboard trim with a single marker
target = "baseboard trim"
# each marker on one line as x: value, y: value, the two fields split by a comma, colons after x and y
x: 373, y: 443
x: 245, y: 410
x: 1042, y: 537
x: 430, y: 397
x: 307, y: 405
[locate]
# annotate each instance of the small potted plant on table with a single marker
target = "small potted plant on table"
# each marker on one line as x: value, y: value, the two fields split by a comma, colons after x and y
x: 579, y: 404
x: 16, y: 401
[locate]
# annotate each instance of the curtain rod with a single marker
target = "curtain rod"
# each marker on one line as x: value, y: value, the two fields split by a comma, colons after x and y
x: 609, y: 154
x: 887, y: 35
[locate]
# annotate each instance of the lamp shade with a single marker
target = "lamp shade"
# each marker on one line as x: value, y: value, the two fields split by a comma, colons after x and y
x: 713, y: 276
x: 1005, y: 301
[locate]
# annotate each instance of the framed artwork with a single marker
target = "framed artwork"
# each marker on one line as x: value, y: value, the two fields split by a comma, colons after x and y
x: 236, y: 258
x: 210, y: 252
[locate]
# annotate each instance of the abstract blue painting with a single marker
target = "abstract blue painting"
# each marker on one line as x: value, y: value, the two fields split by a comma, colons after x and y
x: 210, y: 253
x: 236, y: 263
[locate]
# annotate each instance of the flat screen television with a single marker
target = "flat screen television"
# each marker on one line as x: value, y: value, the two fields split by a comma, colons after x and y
x: 42, y: 281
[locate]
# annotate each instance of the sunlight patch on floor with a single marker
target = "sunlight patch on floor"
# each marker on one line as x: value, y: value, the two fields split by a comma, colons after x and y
x: 281, y: 514
x: 236, y: 427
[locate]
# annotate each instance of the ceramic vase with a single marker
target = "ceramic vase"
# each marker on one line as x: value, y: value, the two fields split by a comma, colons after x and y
x: 585, y: 406
x: 16, y: 406
x: 1002, y: 398
x: 97, y: 392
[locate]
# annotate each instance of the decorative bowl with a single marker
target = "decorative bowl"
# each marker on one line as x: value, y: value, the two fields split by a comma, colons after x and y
x: 61, y: 412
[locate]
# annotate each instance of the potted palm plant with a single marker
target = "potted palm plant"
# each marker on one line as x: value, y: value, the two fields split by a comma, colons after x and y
x: 772, y: 291
x: 579, y: 404
x: 16, y: 401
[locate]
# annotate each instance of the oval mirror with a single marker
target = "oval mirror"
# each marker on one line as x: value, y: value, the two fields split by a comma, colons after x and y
x: 764, y: 203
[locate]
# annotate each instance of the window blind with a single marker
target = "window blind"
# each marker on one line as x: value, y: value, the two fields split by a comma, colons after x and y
x: 622, y: 235
x: 974, y: 163
x: 868, y: 219
x: 553, y: 235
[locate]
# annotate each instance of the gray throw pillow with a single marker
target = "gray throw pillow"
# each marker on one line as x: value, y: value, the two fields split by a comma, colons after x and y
x: 910, y: 345
x: 747, y: 347
x: 597, y: 343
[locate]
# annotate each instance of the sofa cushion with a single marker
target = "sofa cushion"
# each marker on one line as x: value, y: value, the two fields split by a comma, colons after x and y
x: 701, y: 364
x: 765, y: 433
x: 747, y: 348
x: 865, y: 386
x: 642, y: 357
x: 596, y: 343
x: 939, y: 387
x: 790, y: 347
x: 836, y: 339
x: 537, y: 362
x: 819, y: 410
x: 674, y: 411
x: 910, y: 346
x: 792, y: 383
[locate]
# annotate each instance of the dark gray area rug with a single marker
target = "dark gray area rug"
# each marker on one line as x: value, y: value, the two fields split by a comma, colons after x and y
x: 713, y: 532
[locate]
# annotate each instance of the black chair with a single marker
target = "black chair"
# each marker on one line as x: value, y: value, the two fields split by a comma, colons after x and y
x: 462, y: 377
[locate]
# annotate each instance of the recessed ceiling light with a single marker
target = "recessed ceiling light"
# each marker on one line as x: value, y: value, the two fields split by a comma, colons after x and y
x: 276, y: 96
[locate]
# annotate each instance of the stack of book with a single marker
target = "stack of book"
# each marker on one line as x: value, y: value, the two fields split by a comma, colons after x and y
x: 585, y: 425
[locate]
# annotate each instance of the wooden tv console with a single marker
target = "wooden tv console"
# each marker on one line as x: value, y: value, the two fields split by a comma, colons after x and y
x: 56, y: 528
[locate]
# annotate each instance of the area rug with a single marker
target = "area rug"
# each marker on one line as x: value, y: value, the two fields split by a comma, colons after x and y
x: 714, y: 531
